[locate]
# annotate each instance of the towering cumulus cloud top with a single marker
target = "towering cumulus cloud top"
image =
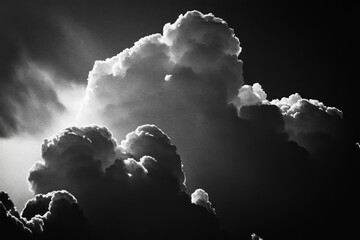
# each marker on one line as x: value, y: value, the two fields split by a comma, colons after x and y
x: 191, y: 67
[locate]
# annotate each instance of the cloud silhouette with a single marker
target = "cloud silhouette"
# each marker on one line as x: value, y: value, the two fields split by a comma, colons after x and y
x: 55, y: 215
x: 120, y: 186
x: 11, y: 223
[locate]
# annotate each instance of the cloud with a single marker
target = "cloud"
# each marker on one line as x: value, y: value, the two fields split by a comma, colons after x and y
x: 307, y: 121
x: 154, y: 143
x: 255, y: 237
x: 177, y: 80
x: 42, y: 53
x: 278, y: 168
x: 12, y: 226
x: 250, y: 153
x: 63, y: 217
x: 6, y: 201
x: 250, y: 95
x: 92, y: 148
x: 54, y: 215
x: 119, y: 186
x: 27, y: 98
x: 200, y: 197
x: 197, y: 50
x: 52, y: 42
x: 327, y: 137
x: 310, y: 122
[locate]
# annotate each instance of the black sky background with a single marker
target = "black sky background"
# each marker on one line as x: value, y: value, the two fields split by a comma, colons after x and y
x: 305, y: 47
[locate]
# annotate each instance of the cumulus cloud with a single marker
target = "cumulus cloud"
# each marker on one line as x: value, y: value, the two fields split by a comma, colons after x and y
x: 177, y: 80
x: 54, y: 215
x: 11, y: 225
x: 92, y: 147
x: 271, y: 166
x: 312, y: 114
x: 191, y: 64
x: 309, y: 122
x: 323, y: 132
x: 188, y: 80
x: 157, y: 144
x: 250, y: 95
x: 120, y: 185
x: 63, y: 217
x: 200, y: 197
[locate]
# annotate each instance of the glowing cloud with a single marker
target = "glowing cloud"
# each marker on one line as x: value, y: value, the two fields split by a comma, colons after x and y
x: 192, y: 63
x: 200, y: 197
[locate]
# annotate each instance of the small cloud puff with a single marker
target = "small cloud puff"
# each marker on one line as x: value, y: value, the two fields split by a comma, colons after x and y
x: 250, y: 95
x: 255, y: 237
x: 200, y: 197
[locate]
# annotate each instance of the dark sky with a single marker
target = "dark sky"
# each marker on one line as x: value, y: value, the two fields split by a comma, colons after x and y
x: 266, y: 172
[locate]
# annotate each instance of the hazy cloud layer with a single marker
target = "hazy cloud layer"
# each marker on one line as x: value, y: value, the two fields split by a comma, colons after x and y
x: 41, y: 52
x: 28, y: 100
x: 132, y: 190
